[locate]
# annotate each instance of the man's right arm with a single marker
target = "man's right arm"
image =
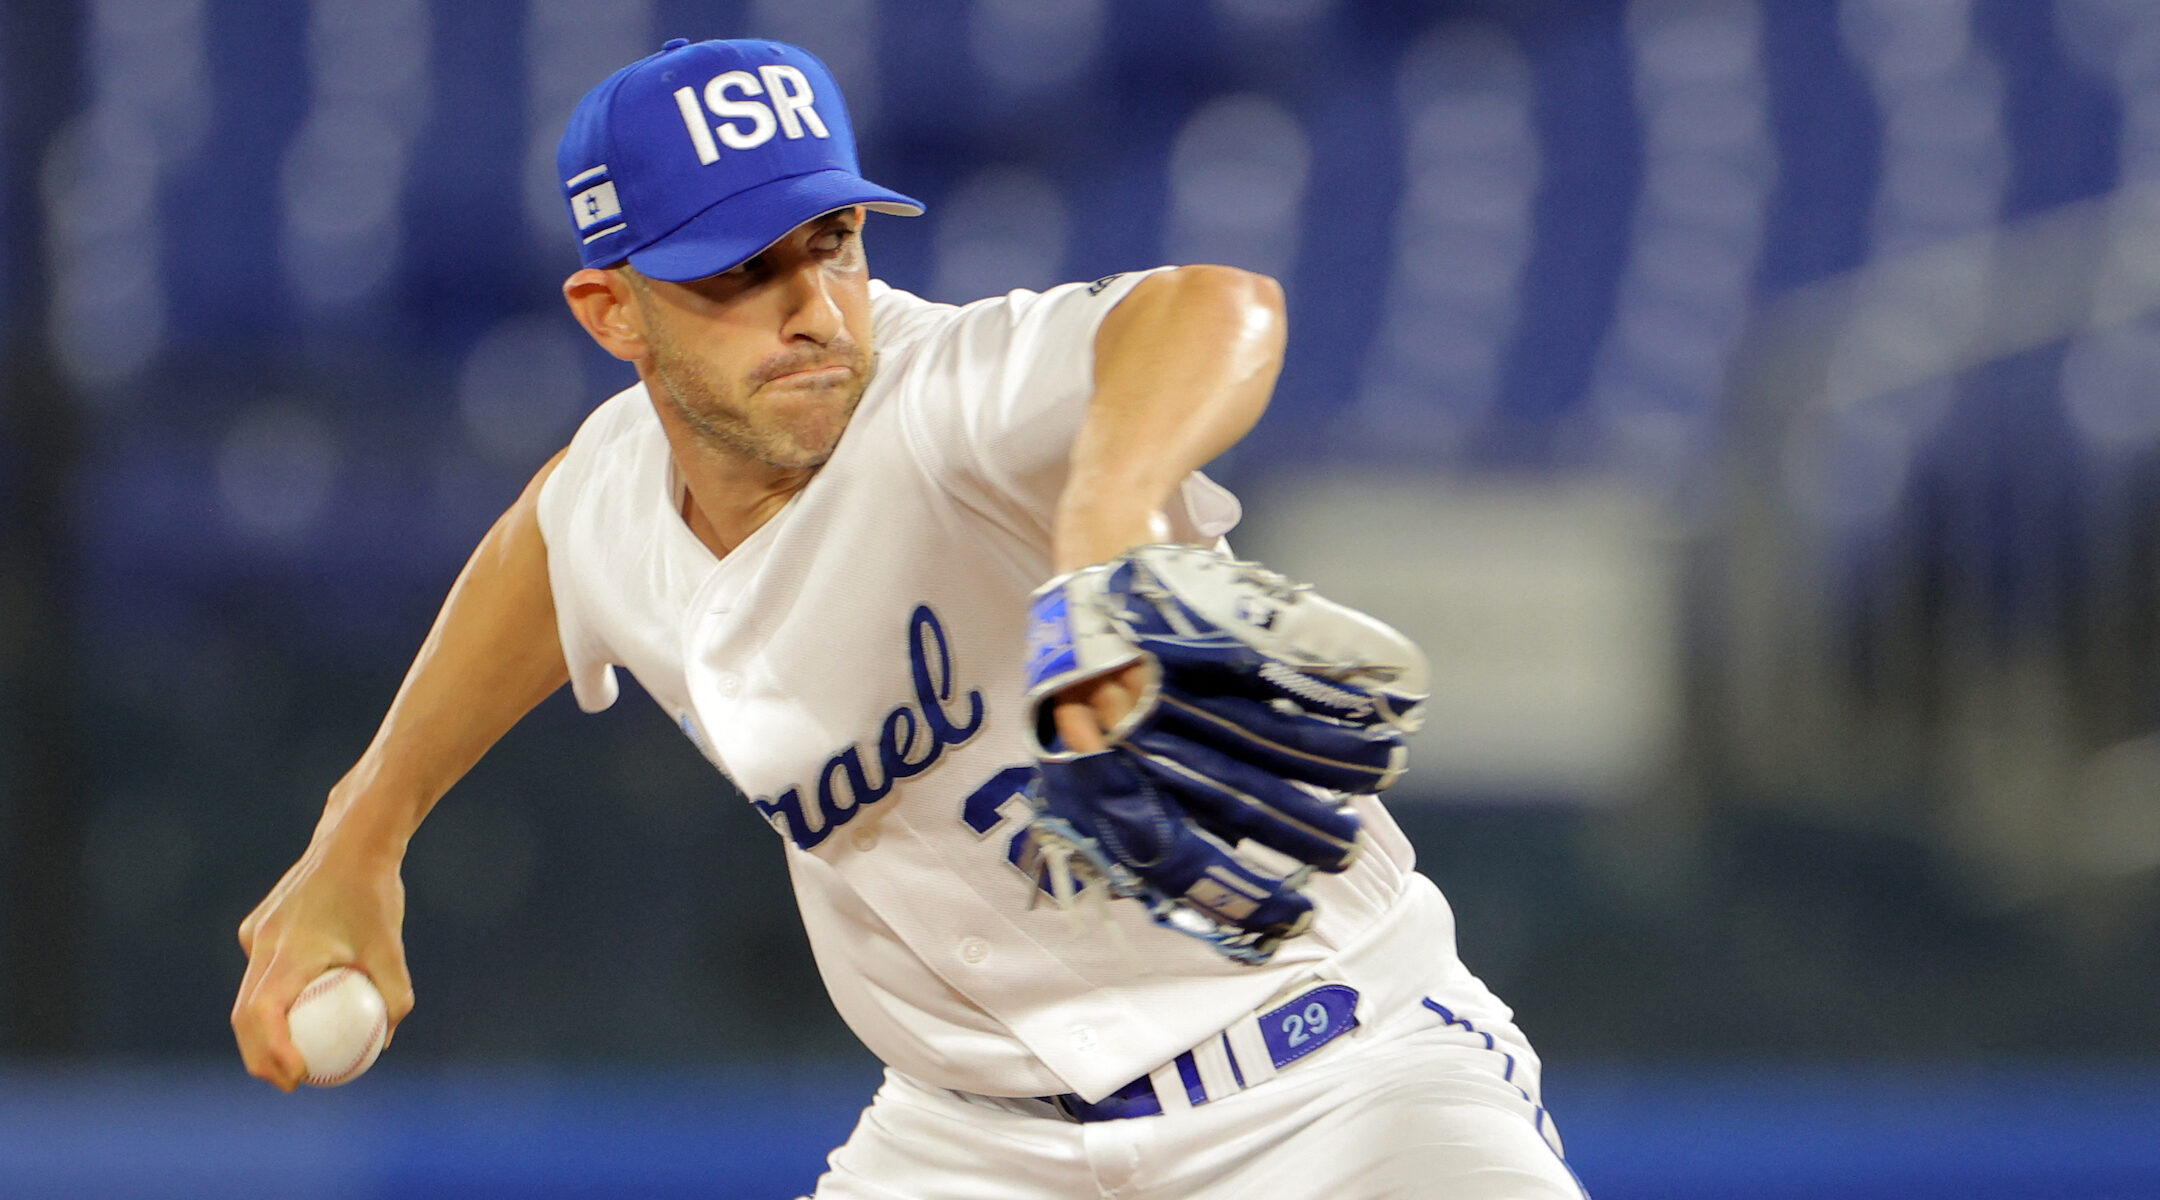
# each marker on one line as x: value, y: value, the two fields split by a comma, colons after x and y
x: 493, y: 655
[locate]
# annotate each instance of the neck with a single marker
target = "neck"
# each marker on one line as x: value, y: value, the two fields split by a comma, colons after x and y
x: 728, y: 496
x: 724, y: 521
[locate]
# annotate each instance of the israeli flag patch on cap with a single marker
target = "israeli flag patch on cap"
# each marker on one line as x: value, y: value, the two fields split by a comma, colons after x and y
x: 595, y: 204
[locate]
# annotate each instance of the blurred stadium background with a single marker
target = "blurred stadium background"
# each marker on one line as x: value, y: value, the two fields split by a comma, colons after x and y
x: 1752, y: 404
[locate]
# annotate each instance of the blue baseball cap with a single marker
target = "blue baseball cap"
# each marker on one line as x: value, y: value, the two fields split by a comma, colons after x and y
x: 692, y: 160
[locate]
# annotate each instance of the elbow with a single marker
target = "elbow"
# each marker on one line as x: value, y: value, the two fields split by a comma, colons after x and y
x: 1212, y: 285
x: 1244, y: 309
x: 1231, y: 283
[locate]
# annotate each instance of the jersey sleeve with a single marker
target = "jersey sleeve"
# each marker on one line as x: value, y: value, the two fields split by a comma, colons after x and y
x: 998, y: 390
x: 567, y: 525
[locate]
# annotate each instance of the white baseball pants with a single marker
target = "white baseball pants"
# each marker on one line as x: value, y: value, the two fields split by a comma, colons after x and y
x: 1413, y: 1106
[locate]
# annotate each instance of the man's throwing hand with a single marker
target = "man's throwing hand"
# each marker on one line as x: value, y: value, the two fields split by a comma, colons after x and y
x: 340, y: 905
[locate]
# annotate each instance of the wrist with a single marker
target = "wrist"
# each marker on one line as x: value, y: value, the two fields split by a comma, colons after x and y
x: 1089, y: 533
x: 365, y: 819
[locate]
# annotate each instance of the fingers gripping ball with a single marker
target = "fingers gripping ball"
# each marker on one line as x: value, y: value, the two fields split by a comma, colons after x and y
x: 339, y: 1024
x: 1270, y: 706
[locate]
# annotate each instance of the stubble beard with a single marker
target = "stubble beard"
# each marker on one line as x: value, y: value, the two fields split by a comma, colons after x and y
x: 719, y: 414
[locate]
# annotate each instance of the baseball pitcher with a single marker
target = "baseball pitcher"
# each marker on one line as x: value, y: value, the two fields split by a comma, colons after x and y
x: 1080, y: 811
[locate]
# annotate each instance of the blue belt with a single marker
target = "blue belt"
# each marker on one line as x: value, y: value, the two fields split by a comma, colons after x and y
x: 1289, y: 1031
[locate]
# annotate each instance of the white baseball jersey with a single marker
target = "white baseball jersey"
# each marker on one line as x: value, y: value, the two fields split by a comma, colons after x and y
x: 856, y: 668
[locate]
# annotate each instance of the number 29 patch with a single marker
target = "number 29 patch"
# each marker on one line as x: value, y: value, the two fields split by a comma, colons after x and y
x: 1309, y: 1022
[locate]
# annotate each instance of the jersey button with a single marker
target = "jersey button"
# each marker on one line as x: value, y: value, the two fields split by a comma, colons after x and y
x: 974, y: 950
x: 866, y: 841
x: 730, y: 683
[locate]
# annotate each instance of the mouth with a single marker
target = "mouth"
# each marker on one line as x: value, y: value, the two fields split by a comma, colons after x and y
x: 824, y: 376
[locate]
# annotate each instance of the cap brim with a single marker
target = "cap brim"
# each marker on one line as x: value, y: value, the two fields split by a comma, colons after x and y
x: 734, y: 229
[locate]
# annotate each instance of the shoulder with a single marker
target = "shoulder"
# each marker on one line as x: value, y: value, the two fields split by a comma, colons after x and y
x: 627, y: 413
x: 901, y: 317
x: 906, y: 322
x: 625, y: 417
x: 621, y: 437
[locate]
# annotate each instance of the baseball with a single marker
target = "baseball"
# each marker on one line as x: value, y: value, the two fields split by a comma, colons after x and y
x: 339, y: 1023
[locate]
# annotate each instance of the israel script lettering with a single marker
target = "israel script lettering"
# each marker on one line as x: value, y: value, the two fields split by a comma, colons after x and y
x: 910, y: 741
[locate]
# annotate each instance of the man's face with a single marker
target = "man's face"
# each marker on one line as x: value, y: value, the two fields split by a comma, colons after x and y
x: 768, y: 361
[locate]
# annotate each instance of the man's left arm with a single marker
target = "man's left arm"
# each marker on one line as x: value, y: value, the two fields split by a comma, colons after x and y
x: 1184, y: 366
x: 1247, y: 710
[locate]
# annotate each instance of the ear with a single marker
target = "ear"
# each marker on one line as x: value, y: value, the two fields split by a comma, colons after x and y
x: 601, y: 301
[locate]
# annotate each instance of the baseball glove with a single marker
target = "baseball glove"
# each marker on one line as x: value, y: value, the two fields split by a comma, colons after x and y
x: 1268, y: 706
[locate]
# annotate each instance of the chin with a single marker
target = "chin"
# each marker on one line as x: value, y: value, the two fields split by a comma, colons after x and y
x: 815, y: 440
x: 817, y: 456
x: 799, y: 453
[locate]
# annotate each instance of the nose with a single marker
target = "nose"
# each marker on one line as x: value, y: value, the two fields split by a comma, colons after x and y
x: 812, y: 309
